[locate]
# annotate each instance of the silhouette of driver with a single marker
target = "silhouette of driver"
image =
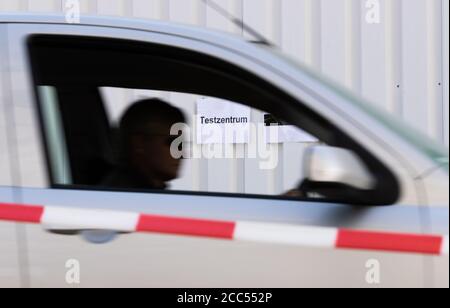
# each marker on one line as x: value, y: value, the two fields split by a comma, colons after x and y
x: 145, y: 141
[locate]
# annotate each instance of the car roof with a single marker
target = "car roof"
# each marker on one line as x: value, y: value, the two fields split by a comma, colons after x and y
x: 128, y: 23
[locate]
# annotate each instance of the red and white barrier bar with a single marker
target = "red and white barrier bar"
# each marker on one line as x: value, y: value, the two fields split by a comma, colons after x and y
x: 80, y: 219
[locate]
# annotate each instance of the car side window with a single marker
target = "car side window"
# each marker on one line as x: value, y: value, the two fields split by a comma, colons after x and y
x: 131, y: 116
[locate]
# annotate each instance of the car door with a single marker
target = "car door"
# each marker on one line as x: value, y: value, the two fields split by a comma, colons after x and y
x: 158, y: 260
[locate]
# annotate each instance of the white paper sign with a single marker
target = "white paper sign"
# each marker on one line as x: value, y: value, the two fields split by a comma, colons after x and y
x: 222, y: 122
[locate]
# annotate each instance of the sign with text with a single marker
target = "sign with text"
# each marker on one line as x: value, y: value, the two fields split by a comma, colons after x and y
x: 222, y: 122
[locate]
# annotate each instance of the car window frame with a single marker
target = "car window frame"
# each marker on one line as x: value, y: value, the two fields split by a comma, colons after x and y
x: 213, y: 193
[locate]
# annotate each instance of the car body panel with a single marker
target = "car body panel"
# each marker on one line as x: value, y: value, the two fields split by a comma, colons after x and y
x: 9, y: 261
x: 436, y: 187
x: 155, y: 260
x: 401, y: 218
x: 151, y: 260
x: 9, y: 257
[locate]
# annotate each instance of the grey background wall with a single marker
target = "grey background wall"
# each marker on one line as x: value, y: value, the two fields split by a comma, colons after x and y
x: 398, y: 62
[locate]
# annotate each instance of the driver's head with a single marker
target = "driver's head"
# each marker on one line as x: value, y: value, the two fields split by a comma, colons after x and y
x: 146, y: 140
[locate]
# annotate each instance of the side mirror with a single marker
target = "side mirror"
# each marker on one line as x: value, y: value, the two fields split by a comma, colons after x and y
x: 336, y: 167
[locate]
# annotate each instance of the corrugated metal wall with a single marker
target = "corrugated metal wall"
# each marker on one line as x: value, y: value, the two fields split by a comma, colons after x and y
x: 393, y: 52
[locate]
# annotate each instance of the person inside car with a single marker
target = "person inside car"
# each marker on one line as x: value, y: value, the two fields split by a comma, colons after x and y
x: 144, y: 149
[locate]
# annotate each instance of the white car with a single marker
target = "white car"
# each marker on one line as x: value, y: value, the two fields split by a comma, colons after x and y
x: 378, y: 215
